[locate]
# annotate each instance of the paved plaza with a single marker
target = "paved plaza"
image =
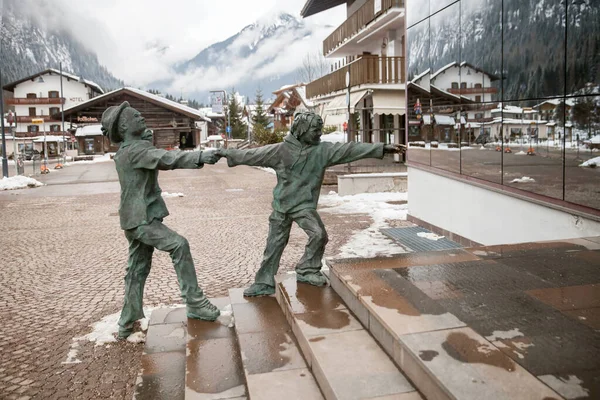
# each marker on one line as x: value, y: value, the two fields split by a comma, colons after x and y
x: 64, y: 257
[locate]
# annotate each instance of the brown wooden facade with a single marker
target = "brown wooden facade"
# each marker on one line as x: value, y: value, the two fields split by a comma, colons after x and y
x: 173, y: 127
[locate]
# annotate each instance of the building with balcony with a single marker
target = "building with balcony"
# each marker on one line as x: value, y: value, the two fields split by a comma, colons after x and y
x: 366, y: 89
x: 473, y: 68
x: 37, y: 100
x: 289, y: 100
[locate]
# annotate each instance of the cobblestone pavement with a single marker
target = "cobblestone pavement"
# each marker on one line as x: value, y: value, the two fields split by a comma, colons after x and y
x: 64, y: 256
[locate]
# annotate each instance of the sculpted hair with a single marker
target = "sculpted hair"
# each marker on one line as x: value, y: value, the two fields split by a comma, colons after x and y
x: 303, y: 121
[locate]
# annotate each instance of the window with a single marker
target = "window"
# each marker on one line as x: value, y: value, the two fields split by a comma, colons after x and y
x: 478, y: 99
x: 479, y: 116
x: 32, y: 112
x: 53, y: 94
x: 478, y: 86
x: 53, y: 110
x: 454, y: 85
x: 31, y: 96
x: 54, y: 128
x: 463, y: 85
x: 33, y: 128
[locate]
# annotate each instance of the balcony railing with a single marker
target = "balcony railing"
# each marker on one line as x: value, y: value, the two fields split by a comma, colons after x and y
x: 37, y: 100
x: 357, y: 21
x: 473, y: 90
x: 26, y: 119
x: 365, y: 70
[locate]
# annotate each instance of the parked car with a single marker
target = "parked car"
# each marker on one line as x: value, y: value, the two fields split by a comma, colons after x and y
x: 29, y: 154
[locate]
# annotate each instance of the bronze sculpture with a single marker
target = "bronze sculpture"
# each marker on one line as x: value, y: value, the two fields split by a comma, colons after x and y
x: 142, y: 210
x: 300, y: 163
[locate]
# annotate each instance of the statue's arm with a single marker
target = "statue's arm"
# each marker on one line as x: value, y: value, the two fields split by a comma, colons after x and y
x: 149, y: 157
x: 265, y: 156
x: 341, y: 153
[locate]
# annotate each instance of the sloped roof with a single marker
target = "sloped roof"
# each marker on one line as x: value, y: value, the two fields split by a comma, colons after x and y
x: 316, y: 6
x: 11, y: 86
x: 141, y: 94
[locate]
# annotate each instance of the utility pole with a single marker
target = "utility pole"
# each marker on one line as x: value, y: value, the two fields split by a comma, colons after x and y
x: 4, y: 159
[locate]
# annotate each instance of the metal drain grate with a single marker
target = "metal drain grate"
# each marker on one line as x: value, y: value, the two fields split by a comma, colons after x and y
x: 408, y: 237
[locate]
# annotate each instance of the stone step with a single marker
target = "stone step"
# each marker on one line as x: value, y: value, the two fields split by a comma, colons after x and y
x: 442, y: 356
x: 190, y: 359
x: 272, y: 363
x: 346, y: 361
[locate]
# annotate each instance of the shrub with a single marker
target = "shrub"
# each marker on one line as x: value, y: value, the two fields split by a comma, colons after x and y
x: 264, y: 136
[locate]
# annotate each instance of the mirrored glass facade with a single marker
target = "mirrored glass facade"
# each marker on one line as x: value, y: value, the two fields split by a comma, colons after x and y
x: 508, y: 92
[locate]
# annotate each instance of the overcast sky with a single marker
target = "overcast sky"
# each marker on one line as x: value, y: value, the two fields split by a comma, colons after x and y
x: 125, y: 33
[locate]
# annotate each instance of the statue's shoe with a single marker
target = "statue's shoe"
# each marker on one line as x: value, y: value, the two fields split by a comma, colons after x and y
x: 315, y: 279
x: 124, y: 333
x: 205, y: 311
x: 259, y: 289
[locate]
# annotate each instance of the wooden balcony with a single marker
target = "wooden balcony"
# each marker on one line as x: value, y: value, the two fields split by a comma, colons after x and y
x: 27, y: 119
x: 473, y: 90
x: 358, y: 21
x: 39, y: 100
x: 365, y: 70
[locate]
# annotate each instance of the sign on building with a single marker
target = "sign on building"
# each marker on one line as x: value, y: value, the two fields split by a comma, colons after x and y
x: 216, y: 102
x: 377, y: 4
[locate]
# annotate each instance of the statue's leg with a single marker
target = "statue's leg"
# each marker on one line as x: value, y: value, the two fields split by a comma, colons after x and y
x: 279, y: 234
x: 138, y: 268
x: 161, y: 237
x: 308, y: 269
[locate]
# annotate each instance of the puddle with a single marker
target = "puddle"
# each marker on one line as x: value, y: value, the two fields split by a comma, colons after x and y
x: 465, y: 349
x: 428, y: 355
x: 330, y: 319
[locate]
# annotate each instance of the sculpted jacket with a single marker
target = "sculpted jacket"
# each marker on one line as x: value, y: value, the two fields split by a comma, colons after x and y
x: 300, y: 168
x: 137, y: 164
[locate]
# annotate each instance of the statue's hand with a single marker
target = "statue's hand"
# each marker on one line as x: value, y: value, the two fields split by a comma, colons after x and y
x: 209, y: 157
x: 394, y: 148
x: 221, y: 152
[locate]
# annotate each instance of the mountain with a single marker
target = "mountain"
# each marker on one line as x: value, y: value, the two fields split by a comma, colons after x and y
x: 533, y: 45
x: 29, y: 46
x: 267, y: 54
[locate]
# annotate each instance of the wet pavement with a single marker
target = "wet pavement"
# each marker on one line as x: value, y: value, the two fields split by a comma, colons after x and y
x: 510, y: 318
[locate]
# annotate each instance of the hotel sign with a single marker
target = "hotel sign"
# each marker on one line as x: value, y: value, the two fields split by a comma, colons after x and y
x: 87, y: 119
x: 37, y: 121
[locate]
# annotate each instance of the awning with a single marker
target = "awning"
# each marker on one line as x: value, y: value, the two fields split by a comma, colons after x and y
x: 439, y: 119
x: 389, y: 102
x: 339, y: 102
x: 89, y: 130
x: 334, y: 120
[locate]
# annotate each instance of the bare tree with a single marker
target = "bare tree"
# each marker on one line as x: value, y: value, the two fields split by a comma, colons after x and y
x: 314, y: 65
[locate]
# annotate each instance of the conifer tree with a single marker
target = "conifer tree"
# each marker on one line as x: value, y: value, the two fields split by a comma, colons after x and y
x: 260, y: 116
x: 239, y: 130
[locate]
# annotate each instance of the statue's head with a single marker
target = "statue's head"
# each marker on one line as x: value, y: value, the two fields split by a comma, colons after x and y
x: 307, y: 128
x: 124, y: 123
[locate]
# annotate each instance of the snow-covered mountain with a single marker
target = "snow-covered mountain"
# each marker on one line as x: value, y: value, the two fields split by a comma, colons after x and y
x: 29, y: 46
x: 265, y: 54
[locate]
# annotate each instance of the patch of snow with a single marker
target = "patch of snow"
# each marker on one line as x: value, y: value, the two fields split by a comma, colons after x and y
x: 234, y: 190
x: 137, y: 337
x: 498, y: 335
x: 369, y: 242
x: 167, y: 194
x: 521, y: 153
x: 591, y: 163
x: 570, y: 387
x: 524, y: 179
x: 269, y: 170
x: 429, y: 235
x: 18, y: 182
x: 335, y: 137
x: 72, y: 355
x: 226, y: 318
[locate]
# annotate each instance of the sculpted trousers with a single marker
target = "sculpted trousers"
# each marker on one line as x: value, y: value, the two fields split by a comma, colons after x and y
x: 142, y: 242
x: 280, y: 225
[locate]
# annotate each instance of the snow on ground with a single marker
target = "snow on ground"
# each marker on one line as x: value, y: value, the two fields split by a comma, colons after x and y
x: 334, y: 137
x: 369, y: 242
x: 521, y: 153
x: 18, y: 182
x: 430, y: 236
x: 524, y: 179
x: 269, y: 170
x: 594, y: 162
x: 97, y: 159
x: 167, y: 194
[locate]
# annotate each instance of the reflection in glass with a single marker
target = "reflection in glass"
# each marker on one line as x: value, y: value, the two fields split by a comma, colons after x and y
x: 534, y: 49
x: 437, y: 5
x: 445, y: 127
x: 418, y: 49
x: 582, y: 153
x: 418, y: 133
x: 416, y: 10
x: 532, y: 158
x: 481, y: 144
x: 583, y: 36
x: 444, y: 45
x: 481, y: 51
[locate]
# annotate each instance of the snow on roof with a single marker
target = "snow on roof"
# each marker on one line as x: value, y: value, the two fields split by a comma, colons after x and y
x: 75, y: 77
x: 89, y: 130
x: 301, y: 90
x: 421, y: 75
x: 214, y: 137
x: 92, y: 84
x: 445, y: 67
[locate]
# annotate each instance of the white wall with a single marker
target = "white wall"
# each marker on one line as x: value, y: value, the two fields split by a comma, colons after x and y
x: 74, y: 92
x: 453, y: 74
x: 486, y: 216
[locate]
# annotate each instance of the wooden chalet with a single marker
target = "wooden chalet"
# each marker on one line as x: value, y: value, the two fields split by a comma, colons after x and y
x: 174, y: 124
